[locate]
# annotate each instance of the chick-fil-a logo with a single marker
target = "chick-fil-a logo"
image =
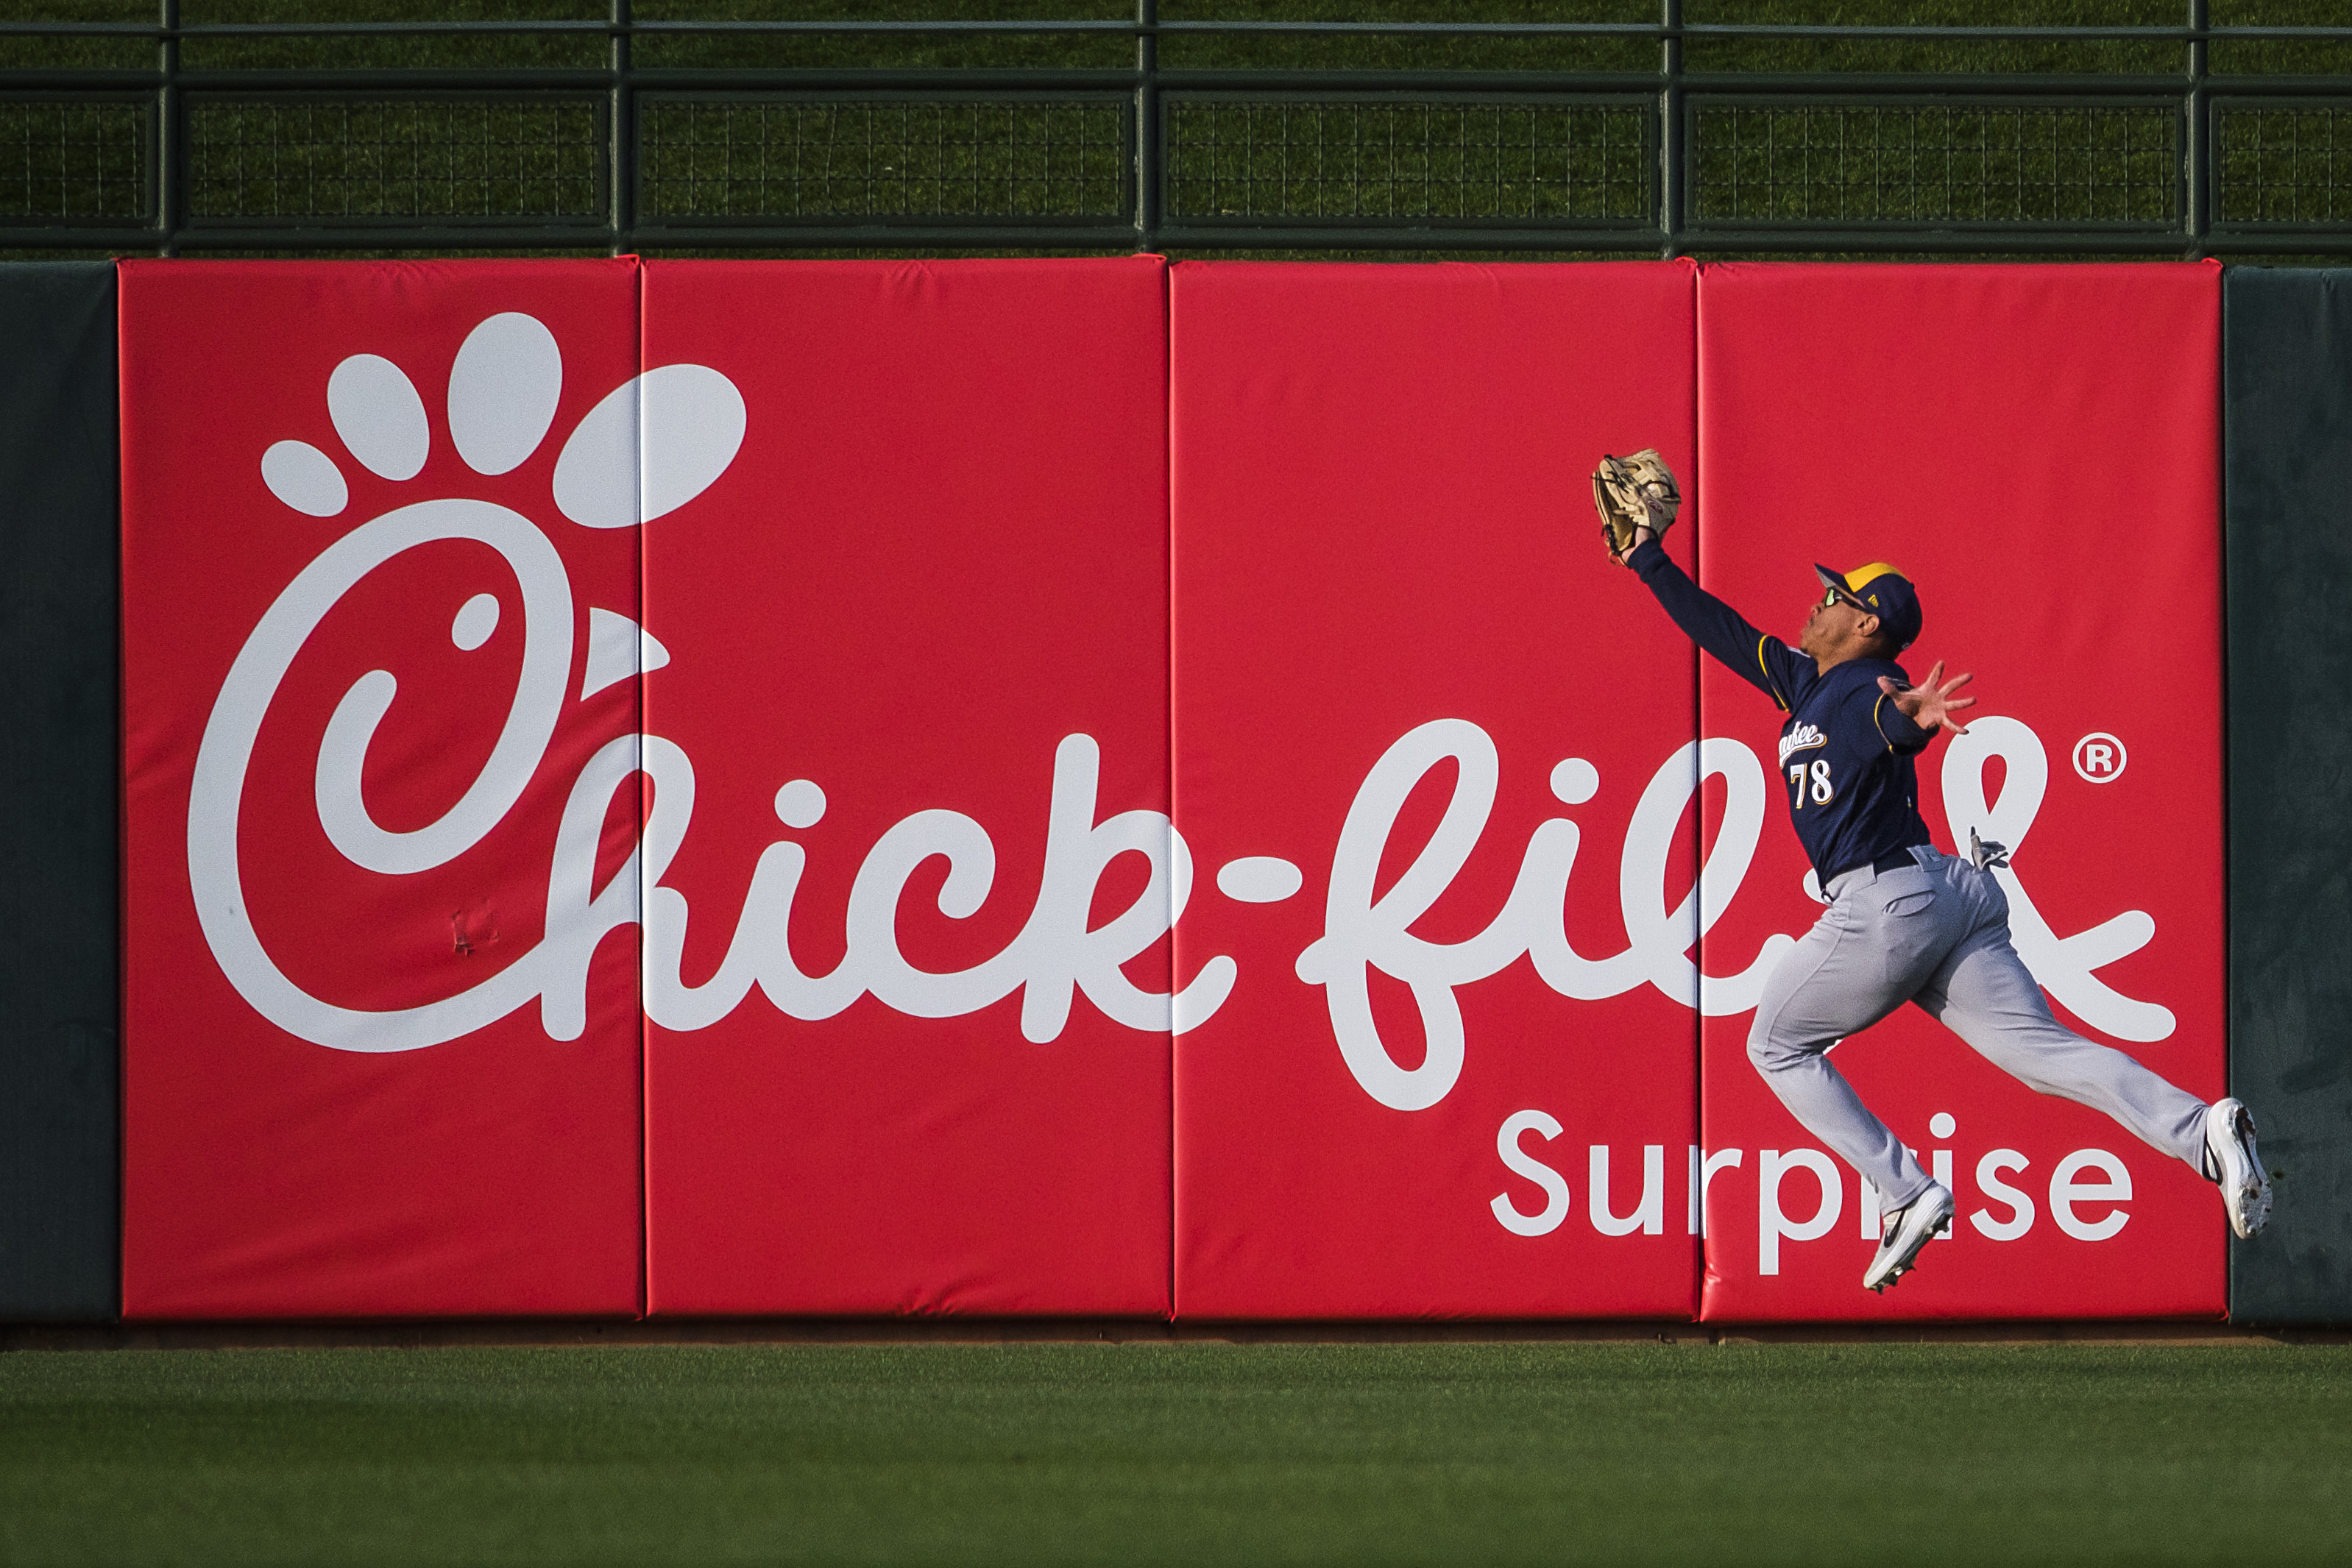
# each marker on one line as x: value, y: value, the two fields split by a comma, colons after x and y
x: 658, y: 441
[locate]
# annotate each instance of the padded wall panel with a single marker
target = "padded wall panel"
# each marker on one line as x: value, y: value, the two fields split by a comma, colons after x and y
x: 59, y: 791
x: 906, y: 982
x: 2037, y: 446
x: 1422, y: 726
x: 2287, y: 386
x: 380, y: 1058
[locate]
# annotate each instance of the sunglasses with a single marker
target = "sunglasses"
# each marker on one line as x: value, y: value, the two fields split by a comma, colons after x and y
x: 1833, y: 594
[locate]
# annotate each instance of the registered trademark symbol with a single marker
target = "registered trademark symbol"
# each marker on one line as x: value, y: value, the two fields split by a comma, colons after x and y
x: 2099, y: 758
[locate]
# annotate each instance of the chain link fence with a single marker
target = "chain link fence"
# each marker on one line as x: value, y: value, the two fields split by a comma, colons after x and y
x: 271, y: 160
x: 1413, y: 160
x: 1941, y: 164
x: 595, y: 149
x: 66, y: 159
x: 784, y: 159
x: 2286, y: 165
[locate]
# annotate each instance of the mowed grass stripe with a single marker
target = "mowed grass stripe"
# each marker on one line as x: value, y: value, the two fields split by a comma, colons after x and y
x: 1179, y: 1453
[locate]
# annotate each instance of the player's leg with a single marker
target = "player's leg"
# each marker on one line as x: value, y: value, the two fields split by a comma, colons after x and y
x: 1989, y: 999
x: 1986, y: 995
x: 1859, y: 963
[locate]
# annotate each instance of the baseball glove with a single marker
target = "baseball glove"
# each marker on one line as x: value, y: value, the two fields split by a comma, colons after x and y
x: 1636, y: 492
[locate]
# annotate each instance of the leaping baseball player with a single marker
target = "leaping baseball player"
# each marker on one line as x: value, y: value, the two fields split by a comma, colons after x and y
x: 1906, y: 923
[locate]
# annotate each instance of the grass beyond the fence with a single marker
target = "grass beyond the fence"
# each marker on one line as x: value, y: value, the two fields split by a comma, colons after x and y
x: 1421, y: 165
x: 1179, y: 1453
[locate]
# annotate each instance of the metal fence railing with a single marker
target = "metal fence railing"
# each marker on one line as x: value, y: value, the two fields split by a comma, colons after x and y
x: 167, y: 156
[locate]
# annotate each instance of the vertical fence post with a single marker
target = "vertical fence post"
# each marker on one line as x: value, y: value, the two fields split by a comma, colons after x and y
x: 2196, y: 196
x: 171, y: 197
x: 1670, y: 134
x: 621, y: 126
x: 1148, y: 150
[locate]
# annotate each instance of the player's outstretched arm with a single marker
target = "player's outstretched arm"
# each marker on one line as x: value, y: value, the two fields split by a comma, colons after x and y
x: 1931, y: 705
x: 1763, y: 662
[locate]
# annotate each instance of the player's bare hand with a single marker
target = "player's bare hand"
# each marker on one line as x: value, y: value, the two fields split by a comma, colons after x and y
x: 1931, y: 705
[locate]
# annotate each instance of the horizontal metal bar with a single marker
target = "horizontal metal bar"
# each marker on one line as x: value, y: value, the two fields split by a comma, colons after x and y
x: 2334, y: 88
x: 1835, y: 84
x: 2157, y: 33
x: 1401, y: 237
x: 528, y: 28
x: 1931, y: 242
x: 868, y: 92
x: 81, y: 30
x: 1128, y: 28
x: 74, y: 87
x: 396, y: 80
x: 1181, y: 237
x: 2023, y: 97
x: 1912, y: 233
x: 13, y: 81
x: 872, y: 223
x: 2222, y: 242
x: 2277, y: 237
x: 454, y: 229
x: 516, y: 27
x: 1691, y: 240
x: 1900, y: 84
x: 1471, y: 83
x: 155, y: 32
x: 695, y: 79
x: 1178, y: 235
x: 510, y: 237
x: 1647, y: 30
x: 59, y: 237
x: 1119, y: 236
x: 451, y: 92
x: 1620, y: 96
x: 1894, y: 85
x: 1655, y: 30
x: 392, y: 82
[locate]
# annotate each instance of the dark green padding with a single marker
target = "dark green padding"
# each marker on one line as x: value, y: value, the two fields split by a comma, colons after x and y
x: 59, y: 1143
x: 2287, y: 419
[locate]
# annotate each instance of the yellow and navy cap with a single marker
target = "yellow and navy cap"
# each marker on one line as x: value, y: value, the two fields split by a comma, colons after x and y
x: 1884, y: 592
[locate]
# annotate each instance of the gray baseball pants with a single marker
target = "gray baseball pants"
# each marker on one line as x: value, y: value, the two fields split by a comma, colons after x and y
x: 1935, y: 932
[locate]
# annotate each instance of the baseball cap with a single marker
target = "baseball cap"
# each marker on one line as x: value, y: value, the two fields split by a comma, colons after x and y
x: 1888, y: 592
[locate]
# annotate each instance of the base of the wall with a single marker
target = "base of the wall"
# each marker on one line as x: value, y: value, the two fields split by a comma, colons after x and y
x: 415, y: 1334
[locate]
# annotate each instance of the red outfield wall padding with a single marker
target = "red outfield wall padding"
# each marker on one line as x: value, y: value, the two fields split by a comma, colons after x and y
x: 906, y: 865
x: 380, y: 581
x: 907, y: 976
x: 1414, y: 704
x: 2037, y: 447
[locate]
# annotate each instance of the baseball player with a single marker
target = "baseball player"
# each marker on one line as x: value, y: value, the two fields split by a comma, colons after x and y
x: 1906, y: 923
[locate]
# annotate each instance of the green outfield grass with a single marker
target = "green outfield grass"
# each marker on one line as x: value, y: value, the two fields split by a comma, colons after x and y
x: 1181, y: 1453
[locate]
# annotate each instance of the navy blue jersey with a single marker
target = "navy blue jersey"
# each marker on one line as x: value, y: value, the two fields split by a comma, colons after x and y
x: 1846, y: 749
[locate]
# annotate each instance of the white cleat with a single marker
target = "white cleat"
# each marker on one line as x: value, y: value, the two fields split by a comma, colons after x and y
x: 1908, y: 1231
x: 2232, y: 1160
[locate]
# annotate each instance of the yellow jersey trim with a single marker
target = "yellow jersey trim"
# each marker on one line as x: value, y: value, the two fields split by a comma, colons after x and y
x: 1767, y: 669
